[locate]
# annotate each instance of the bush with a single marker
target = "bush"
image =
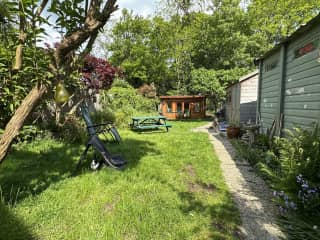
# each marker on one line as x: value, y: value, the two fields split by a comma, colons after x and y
x: 148, y: 91
x: 102, y: 116
x: 250, y: 154
x: 72, y: 131
x: 124, y: 101
x: 299, y: 153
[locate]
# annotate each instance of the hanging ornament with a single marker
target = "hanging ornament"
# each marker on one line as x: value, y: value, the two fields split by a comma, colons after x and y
x: 61, y: 95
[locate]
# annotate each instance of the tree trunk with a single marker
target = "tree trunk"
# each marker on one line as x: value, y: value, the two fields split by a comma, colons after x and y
x: 17, y: 120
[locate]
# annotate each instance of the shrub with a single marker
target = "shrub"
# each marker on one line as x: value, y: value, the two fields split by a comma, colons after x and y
x: 299, y: 153
x: 124, y: 101
x: 148, y: 91
x: 72, y: 131
x: 250, y: 154
x: 102, y: 116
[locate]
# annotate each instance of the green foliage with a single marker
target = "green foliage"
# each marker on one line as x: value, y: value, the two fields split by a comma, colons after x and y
x: 299, y: 153
x: 148, y: 91
x: 300, y: 228
x: 165, y: 50
x: 212, y: 83
x: 73, y: 130
x: 124, y: 101
x: 252, y: 155
x: 138, y: 47
x: 15, y: 86
x: 103, y: 116
x: 222, y: 40
x: 69, y: 14
x: 276, y: 20
x: 29, y: 133
x: 296, y: 153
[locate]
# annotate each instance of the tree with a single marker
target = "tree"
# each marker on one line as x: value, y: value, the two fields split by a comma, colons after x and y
x: 221, y: 40
x: 212, y: 83
x: 277, y: 19
x: 139, y: 47
x: 81, y: 22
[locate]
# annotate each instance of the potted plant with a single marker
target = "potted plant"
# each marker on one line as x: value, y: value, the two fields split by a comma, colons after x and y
x: 233, y: 130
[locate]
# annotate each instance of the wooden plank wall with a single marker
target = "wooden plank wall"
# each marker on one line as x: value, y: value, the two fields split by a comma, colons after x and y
x: 302, y: 86
x: 269, y: 99
x: 301, y: 93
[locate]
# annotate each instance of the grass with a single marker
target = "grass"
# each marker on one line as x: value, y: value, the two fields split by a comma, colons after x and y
x: 172, y: 188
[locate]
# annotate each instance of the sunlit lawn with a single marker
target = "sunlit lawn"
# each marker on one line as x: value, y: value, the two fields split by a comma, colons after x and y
x: 172, y: 188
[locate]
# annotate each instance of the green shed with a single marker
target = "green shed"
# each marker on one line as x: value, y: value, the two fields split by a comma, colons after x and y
x: 289, y: 80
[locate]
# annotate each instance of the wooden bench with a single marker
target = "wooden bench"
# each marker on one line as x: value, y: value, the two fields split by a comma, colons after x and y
x: 150, y: 122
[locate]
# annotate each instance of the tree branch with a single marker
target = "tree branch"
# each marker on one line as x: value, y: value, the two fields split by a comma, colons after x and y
x: 22, y: 39
x: 90, y: 43
x: 22, y: 34
x: 93, y: 22
x: 41, y: 7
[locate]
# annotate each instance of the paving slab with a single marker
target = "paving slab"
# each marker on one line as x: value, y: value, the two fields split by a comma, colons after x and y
x: 251, y: 194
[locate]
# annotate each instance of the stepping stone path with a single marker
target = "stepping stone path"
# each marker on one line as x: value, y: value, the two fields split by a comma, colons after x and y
x: 250, y: 193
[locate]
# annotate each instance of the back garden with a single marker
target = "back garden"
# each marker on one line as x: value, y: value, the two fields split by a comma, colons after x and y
x: 168, y: 190
x: 172, y: 186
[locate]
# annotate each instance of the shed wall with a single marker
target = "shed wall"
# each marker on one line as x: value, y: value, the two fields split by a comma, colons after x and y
x: 269, y: 98
x: 298, y: 97
x: 302, y: 83
x: 248, y: 99
x: 233, y: 106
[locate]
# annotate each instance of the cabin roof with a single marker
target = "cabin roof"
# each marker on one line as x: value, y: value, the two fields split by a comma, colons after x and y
x: 183, y: 97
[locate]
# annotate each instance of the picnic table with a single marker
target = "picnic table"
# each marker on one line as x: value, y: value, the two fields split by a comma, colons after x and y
x: 150, y: 122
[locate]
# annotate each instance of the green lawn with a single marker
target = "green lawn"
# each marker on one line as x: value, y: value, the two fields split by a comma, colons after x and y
x: 172, y: 188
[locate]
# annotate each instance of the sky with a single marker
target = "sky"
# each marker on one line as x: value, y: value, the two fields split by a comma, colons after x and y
x: 141, y: 7
x: 144, y: 7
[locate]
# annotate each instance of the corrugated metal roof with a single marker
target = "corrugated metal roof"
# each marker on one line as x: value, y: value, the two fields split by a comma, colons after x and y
x: 301, y: 30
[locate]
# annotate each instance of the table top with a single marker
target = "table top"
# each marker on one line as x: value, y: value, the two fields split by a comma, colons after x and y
x: 149, y: 117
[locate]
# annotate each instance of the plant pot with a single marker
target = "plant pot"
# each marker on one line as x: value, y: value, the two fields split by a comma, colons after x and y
x: 233, y: 132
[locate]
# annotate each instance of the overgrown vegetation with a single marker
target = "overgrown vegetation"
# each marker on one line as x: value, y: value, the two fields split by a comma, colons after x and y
x: 292, y: 166
x: 122, y: 102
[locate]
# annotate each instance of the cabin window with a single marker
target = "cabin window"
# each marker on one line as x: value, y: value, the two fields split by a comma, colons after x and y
x: 169, y: 107
x: 197, y: 107
x: 179, y: 107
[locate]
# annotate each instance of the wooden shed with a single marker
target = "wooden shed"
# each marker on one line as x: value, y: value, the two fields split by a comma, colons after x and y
x: 289, y: 80
x: 183, y: 107
x: 241, y: 104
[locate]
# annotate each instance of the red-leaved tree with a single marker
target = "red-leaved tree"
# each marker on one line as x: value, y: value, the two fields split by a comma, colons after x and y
x: 97, y: 73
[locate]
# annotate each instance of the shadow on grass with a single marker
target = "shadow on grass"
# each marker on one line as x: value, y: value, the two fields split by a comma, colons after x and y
x: 27, y: 173
x: 11, y: 227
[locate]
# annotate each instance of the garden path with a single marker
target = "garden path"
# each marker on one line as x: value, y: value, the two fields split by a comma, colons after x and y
x: 250, y: 193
